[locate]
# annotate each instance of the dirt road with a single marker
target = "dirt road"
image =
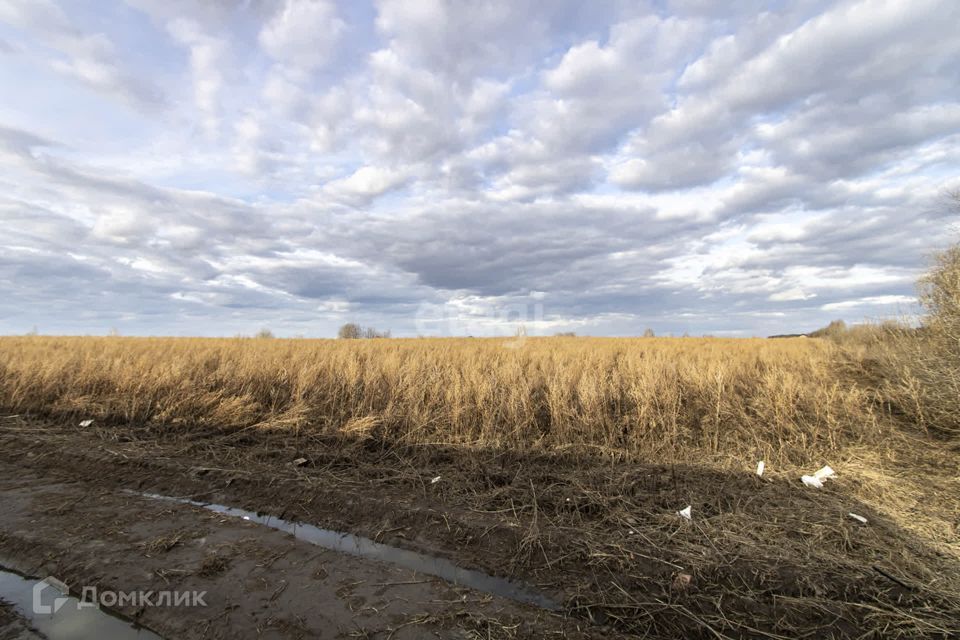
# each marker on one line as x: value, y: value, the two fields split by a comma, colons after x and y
x: 258, y: 582
x: 761, y: 558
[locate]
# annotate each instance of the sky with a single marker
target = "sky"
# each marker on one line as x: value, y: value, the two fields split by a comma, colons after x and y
x: 177, y: 167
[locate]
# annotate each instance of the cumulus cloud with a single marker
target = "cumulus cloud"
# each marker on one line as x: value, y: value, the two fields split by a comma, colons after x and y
x: 460, y: 168
x: 462, y: 41
x: 364, y: 184
x: 88, y: 57
x: 302, y: 34
x: 207, y: 58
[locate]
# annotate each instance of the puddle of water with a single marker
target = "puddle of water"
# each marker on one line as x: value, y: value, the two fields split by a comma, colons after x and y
x: 367, y: 548
x: 69, y: 622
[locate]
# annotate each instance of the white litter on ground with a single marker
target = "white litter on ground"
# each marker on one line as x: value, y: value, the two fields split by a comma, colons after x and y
x: 824, y: 473
x: 760, y: 468
x: 686, y: 513
x: 816, y: 480
x: 86, y: 423
x: 435, y: 480
x: 859, y: 519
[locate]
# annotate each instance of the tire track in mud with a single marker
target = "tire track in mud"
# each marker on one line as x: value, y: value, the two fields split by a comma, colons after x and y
x: 258, y: 582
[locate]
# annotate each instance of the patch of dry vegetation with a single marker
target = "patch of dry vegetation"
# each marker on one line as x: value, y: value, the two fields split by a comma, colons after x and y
x: 664, y: 398
x: 914, y: 370
x: 921, y: 366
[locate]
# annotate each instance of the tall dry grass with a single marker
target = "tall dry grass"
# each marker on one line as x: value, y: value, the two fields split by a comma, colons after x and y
x: 920, y: 367
x: 665, y: 398
x: 916, y: 369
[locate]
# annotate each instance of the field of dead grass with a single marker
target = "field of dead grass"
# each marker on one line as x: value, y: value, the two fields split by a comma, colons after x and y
x: 684, y: 399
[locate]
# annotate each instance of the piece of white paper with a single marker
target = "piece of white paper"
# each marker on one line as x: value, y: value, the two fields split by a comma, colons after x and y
x: 760, y: 468
x: 686, y: 513
x: 859, y: 519
x: 824, y: 473
x: 812, y: 481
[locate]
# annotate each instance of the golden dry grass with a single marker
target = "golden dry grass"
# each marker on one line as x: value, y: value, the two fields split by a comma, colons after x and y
x: 687, y: 399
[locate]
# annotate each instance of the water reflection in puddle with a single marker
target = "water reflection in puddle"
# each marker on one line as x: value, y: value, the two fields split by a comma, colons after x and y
x: 69, y: 621
x: 367, y: 548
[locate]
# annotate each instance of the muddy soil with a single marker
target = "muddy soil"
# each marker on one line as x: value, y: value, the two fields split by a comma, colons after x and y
x: 14, y: 626
x: 258, y: 582
x: 761, y: 558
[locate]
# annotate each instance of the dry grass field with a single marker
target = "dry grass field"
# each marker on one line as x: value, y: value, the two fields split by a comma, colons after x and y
x: 682, y: 399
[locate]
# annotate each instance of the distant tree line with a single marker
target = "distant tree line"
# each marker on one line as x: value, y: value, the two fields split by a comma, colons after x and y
x: 353, y: 331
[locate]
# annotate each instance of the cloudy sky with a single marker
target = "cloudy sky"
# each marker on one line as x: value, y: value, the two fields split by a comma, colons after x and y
x: 209, y: 168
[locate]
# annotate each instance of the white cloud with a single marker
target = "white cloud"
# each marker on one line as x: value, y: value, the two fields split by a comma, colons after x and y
x: 303, y: 33
x: 364, y: 184
x: 207, y: 59
x: 871, y: 301
x: 463, y: 40
x: 90, y: 58
x: 795, y: 293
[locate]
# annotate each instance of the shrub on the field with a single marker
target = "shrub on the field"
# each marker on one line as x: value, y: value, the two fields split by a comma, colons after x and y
x: 940, y: 294
x: 924, y: 364
x: 833, y: 330
x: 919, y: 366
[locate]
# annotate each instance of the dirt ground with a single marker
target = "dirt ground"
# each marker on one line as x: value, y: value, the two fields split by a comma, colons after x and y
x: 764, y: 558
x: 258, y: 582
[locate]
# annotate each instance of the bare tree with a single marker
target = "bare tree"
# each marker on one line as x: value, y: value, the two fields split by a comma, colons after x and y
x: 352, y: 331
x: 349, y: 331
